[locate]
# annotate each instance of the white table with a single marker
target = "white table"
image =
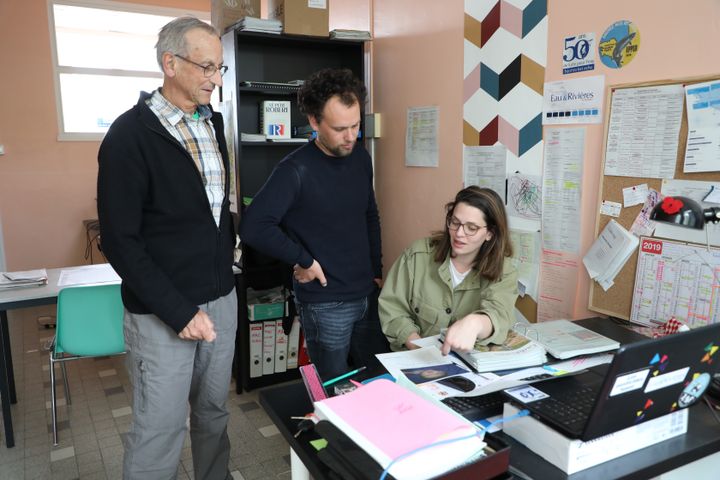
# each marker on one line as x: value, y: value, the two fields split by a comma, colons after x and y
x: 10, y: 300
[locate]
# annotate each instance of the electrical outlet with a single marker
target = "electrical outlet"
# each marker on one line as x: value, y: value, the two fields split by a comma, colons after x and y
x: 2, y: 149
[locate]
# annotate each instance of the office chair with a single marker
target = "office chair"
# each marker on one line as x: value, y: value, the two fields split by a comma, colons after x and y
x: 89, y: 324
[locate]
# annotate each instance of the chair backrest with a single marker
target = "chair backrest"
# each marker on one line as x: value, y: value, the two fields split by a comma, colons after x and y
x: 90, y: 321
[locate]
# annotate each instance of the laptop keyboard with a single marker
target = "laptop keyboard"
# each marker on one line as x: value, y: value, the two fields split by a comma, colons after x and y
x: 570, y: 409
x: 477, y: 408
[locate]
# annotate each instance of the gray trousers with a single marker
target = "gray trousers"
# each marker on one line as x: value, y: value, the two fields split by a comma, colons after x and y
x: 167, y: 375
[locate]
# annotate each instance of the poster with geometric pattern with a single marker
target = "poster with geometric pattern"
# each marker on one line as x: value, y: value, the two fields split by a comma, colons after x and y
x: 505, y: 53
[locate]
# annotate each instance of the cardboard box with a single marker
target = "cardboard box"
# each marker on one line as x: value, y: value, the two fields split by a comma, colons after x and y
x: 224, y: 13
x: 571, y: 455
x: 301, y: 17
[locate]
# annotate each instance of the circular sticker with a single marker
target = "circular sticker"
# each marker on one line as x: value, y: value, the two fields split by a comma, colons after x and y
x: 694, y: 390
x: 619, y: 44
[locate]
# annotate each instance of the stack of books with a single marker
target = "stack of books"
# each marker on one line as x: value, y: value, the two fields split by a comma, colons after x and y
x: 252, y: 137
x: 350, y: 34
x: 252, y: 24
x: 28, y: 278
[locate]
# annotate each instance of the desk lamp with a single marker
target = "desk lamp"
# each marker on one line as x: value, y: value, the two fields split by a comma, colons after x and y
x: 684, y: 212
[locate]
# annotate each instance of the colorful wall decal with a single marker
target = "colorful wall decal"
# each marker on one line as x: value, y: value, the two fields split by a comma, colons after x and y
x: 505, y: 57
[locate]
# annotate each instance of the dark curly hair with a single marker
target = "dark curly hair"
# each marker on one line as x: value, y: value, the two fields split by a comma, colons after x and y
x: 489, y: 260
x: 326, y: 83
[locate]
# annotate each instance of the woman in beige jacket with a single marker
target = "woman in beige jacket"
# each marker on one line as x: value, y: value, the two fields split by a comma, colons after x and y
x: 461, y: 278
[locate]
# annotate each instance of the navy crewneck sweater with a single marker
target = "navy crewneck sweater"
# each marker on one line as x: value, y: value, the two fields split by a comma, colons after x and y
x: 317, y: 207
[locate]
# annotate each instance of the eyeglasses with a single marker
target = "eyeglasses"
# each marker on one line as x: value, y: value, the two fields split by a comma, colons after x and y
x: 470, y: 229
x: 208, y: 70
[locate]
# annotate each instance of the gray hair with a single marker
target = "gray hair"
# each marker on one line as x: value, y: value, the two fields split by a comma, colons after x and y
x: 172, y: 36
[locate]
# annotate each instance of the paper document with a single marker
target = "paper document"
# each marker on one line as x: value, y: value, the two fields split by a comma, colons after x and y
x: 643, y: 131
x: 421, y: 137
x: 88, y: 275
x: 27, y: 278
x: 676, y: 280
x: 608, y: 254
x: 561, y: 193
x: 565, y: 339
x: 485, y: 382
x: 573, y: 101
x: 702, y: 152
x: 526, y: 259
x: 485, y: 167
x: 524, y: 196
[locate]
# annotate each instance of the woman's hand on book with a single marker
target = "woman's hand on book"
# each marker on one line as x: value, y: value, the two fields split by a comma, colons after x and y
x: 463, y: 334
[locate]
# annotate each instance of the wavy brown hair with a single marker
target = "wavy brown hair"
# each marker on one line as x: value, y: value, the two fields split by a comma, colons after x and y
x: 491, y: 256
x: 327, y: 83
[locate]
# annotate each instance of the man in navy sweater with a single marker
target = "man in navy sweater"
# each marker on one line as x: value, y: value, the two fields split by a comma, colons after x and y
x: 317, y: 211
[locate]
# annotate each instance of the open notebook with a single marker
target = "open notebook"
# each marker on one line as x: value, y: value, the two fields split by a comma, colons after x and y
x: 565, y: 339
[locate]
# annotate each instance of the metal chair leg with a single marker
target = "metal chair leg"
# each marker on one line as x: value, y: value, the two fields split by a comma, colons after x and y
x: 68, y: 400
x: 53, y: 400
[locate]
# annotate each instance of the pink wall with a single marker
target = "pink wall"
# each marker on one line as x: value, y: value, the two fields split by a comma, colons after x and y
x: 417, y: 61
x: 47, y: 187
x: 677, y: 40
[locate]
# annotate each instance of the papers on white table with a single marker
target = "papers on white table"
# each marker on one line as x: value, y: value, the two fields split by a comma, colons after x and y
x: 88, y: 275
x: 26, y: 278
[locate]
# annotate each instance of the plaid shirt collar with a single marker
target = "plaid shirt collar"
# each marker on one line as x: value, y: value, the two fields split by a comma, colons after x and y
x: 173, y: 114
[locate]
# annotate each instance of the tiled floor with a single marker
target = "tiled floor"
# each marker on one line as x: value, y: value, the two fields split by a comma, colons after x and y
x: 92, y: 428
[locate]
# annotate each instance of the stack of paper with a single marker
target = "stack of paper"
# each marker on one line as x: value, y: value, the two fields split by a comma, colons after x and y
x: 350, y: 34
x: 28, y: 278
x: 252, y: 137
x: 389, y: 422
x: 565, y: 339
x: 517, y: 351
x: 252, y: 24
x: 609, y: 253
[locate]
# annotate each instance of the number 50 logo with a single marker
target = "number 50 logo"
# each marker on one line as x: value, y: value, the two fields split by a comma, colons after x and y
x: 579, y: 53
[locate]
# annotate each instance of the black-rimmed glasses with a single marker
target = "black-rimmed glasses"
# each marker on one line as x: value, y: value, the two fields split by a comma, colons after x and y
x: 208, y: 70
x: 470, y: 229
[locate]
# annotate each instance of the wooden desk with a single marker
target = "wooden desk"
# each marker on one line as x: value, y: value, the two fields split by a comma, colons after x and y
x: 701, y: 440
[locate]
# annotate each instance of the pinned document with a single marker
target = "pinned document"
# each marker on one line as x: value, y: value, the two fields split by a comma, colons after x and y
x: 609, y: 253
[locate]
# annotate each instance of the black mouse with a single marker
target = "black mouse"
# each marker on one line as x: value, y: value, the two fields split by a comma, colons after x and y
x: 459, y: 383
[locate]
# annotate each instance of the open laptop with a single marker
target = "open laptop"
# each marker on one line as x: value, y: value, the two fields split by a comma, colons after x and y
x: 646, y: 379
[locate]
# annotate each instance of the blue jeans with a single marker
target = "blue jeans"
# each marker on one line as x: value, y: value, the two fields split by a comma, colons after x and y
x: 335, y: 330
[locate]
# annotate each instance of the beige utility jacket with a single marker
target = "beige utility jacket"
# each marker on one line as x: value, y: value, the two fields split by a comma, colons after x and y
x: 418, y: 297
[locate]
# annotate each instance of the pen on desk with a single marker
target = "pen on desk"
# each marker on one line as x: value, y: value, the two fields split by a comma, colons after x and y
x: 343, y: 376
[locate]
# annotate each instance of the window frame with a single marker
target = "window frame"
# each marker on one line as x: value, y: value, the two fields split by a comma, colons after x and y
x: 58, y: 70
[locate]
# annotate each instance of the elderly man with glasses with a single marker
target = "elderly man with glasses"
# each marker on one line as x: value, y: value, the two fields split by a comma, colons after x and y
x: 163, y: 206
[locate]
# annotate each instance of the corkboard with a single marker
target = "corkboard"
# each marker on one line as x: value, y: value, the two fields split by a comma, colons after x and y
x: 617, y: 301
